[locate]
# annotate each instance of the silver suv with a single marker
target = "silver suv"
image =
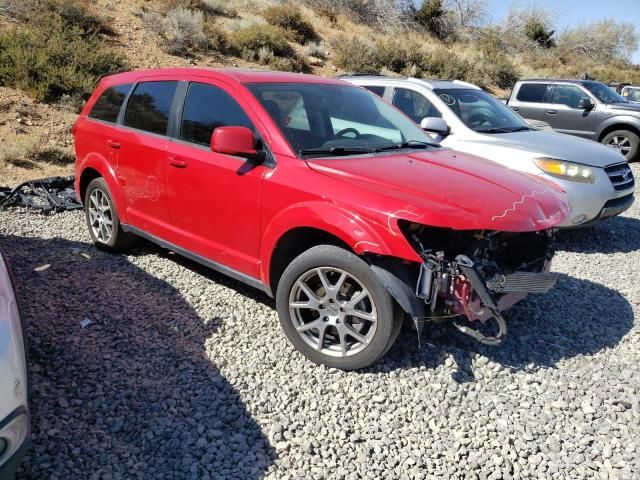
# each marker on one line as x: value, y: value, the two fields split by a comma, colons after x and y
x: 584, y: 108
x: 462, y: 116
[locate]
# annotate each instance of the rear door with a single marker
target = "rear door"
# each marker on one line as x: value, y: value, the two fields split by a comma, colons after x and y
x: 214, y: 199
x: 530, y: 100
x: 564, y: 115
x: 141, y: 155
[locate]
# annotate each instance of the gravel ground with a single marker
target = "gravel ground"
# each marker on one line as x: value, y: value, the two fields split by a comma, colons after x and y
x: 185, y: 374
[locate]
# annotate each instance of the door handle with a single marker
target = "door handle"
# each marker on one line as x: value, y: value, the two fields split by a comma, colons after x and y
x: 176, y: 162
x: 113, y: 144
x: 515, y: 109
x: 552, y: 112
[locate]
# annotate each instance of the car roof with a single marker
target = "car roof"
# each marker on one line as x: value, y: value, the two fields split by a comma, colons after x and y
x: 238, y: 75
x: 430, y: 84
x: 565, y: 80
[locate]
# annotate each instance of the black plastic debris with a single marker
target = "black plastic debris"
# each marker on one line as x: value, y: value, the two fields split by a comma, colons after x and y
x: 53, y: 194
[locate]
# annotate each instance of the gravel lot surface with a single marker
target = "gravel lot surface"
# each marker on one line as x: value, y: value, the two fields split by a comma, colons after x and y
x: 186, y: 374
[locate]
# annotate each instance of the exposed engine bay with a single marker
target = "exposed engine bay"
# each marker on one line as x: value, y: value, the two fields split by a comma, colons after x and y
x: 479, y: 274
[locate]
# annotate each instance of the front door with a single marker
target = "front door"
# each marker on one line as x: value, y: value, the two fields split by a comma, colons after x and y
x: 214, y: 199
x: 564, y: 114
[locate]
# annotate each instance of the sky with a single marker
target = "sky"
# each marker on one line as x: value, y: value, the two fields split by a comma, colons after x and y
x: 572, y: 12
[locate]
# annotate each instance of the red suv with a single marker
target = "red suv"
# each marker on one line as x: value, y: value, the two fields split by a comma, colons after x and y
x: 318, y: 193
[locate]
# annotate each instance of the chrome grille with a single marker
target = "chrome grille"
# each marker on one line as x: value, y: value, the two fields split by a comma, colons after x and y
x: 620, y: 175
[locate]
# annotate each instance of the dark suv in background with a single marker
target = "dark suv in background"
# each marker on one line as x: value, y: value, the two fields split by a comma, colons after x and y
x: 584, y: 108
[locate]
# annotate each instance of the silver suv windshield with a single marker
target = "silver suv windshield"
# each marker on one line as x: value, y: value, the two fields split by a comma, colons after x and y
x: 321, y: 120
x: 604, y: 93
x: 481, y: 112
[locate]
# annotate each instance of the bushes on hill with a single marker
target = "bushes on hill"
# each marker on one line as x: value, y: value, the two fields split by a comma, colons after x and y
x: 289, y: 18
x: 49, y: 58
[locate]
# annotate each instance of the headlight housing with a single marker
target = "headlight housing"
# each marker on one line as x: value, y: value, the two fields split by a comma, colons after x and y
x: 566, y: 170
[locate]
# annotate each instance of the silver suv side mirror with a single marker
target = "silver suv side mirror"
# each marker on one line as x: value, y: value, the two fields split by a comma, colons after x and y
x: 435, y: 125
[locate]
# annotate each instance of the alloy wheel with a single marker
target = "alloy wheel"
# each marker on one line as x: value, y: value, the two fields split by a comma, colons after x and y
x: 333, y: 311
x: 620, y: 144
x: 100, y: 216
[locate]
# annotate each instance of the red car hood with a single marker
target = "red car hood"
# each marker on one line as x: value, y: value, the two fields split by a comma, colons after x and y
x: 450, y: 189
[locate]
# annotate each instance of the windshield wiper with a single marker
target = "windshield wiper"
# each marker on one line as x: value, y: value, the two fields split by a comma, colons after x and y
x: 336, y: 151
x: 407, y: 144
x: 503, y: 130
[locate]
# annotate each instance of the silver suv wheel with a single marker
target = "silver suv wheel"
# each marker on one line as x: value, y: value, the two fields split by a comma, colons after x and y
x: 100, y: 216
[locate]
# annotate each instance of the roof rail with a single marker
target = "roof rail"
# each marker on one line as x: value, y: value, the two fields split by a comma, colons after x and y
x: 360, y: 74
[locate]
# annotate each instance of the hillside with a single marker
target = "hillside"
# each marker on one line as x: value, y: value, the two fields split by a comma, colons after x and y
x: 53, y: 51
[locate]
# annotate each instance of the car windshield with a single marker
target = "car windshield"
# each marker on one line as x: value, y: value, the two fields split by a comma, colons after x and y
x: 321, y: 120
x: 604, y: 93
x: 482, y: 112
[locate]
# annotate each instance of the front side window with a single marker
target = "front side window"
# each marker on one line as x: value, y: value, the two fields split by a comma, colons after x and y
x: 149, y: 106
x: 481, y: 112
x: 568, y: 95
x: 206, y: 108
x: 414, y: 105
x: 325, y: 119
x: 532, y: 92
x: 107, y: 107
x: 604, y: 93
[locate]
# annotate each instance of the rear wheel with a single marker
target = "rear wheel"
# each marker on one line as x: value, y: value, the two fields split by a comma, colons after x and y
x: 625, y: 142
x: 333, y: 309
x: 102, y: 218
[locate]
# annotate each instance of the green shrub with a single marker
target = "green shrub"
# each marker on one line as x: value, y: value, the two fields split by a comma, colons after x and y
x: 289, y: 18
x: 537, y: 32
x: 432, y: 15
x: 217, y: 38
x: 216, y: 7
x: 73, y: 13
x: 48, y: 59
x: 399, y: 56
x: 355, y: 55
x: 249, y: 40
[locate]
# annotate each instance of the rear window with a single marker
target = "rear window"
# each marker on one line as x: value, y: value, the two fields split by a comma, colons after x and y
x: 149, y: 106
x: 108, y: 105
x: 532, y: 92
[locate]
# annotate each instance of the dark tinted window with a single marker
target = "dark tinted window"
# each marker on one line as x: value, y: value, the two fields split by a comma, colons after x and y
x: 532, y: 92
x: 108, y: 105
x: 414, y: 105
x: 149, y: 106
x: 207, y: 108
x: 377, y: 90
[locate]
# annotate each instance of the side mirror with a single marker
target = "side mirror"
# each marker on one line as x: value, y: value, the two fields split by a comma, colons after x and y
x: 236, y: 141
x: 586, y: 104
x: 435, y: 125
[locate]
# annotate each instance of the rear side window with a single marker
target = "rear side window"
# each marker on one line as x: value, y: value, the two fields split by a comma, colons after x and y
x: 568, y: 95
x: 149, y: 106
x: 108, y: 105
x: 207, y: 108
x: 377, y: 90
x: 532, y: 92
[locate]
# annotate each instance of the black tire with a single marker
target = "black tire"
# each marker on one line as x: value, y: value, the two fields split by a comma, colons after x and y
x: 378, y: 300
x: 629, y: 140
x: 118, y: 240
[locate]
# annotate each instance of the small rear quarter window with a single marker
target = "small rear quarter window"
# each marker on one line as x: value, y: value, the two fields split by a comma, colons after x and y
x: 108, y: 105
x: 532, y: 92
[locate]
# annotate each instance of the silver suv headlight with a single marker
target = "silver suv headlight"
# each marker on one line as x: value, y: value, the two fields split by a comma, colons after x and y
x: 566, y: 170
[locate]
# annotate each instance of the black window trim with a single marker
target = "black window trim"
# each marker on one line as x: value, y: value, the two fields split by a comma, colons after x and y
x: 175, y: 124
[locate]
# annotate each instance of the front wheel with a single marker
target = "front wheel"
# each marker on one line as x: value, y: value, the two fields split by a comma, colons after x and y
x: 333, y: 309
x: 625, y: 142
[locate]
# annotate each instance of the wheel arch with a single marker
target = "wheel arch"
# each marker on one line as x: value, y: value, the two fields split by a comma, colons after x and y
x: 308, y: 225
x: 96, y: 167
x: 617, y: 125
